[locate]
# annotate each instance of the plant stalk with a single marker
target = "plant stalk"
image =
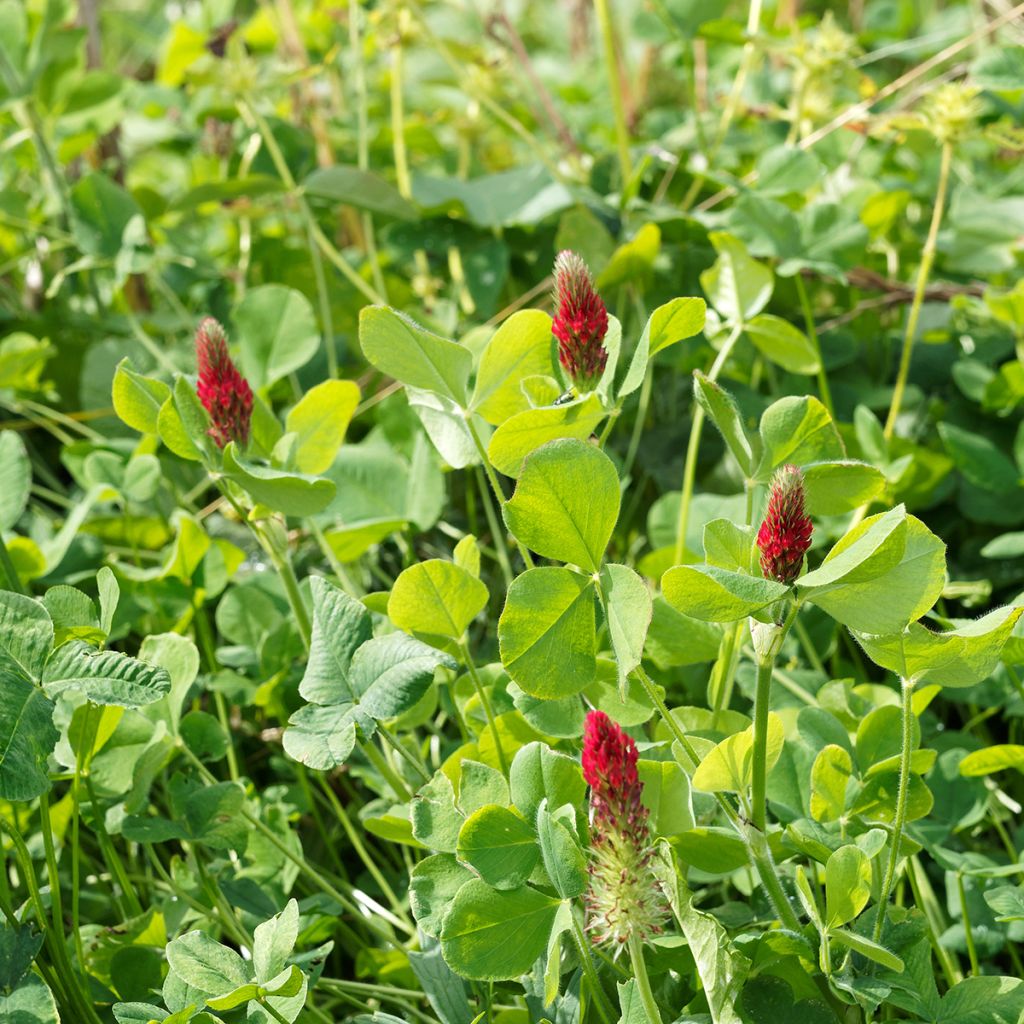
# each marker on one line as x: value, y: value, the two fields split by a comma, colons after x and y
x: 615, y: 86
x: 693, y: 446
x: 927, y: 259
x: 888, y: 880
x: 643, y: 982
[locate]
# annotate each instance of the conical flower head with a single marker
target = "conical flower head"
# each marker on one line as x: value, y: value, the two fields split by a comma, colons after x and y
x: 625, y: 897
x: 224, y: 392
x: 785, y: 534
x: 580, y: 323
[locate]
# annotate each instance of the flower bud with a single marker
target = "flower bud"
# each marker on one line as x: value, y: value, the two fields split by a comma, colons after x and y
x: 580, y: 322
x: 224, y: 392
x: 625, y: 897
x: 785, y: 534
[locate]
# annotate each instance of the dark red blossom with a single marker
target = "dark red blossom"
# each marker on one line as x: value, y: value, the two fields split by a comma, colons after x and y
x: 224, y: 392
x: 580, y: 323
x: 625, y: 897
x: 785, y: 534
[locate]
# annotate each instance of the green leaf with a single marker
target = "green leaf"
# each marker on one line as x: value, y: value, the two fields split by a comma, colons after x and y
x: 830, y: 775
x: 783, y: 344
x: 526, y: 431
x: 351, y: 186
x: 737, y: 286
x: 27, y: 738
x: 340, y: 625
x: 204, y: 964
x: 436, y: 598
x: 392, y: 673
x: 100, y: 212
x: 490, y: 935
x: 137, y: 399
x: 292, y: 494
x: 436, y: 821
x: 799, y: 431
x: 539, y: 773
x: 628, y: 606
x: 499, y: 845
x: 721, y: 408
x: 673, y: 322
x: 729, y: 546
x: 278, y: 333
x: 319, y: 420
x: 633, y: 260
x: 1007, y: 902
x: 26, y: 634
x: 564, y: 860
x: 546, y: 633
x: 566, y: 503
x: 104, y: 677
x: 834, y: 488
x: 867, y: 947
x: 174, y: 433
x: 274, y: 941
x: 240, y: 995
x: 321, y: 737
x: 433, y: 883
x: 19, y: 944
x: 847, y: 885
x: 996, y: 758
x: 728, y: 766
x: 520, y: 348
x: 983, y: 1000
x: 411, y: 354
x: 863, y: 554
x: 30, y: 1002
x: 887, y: 603
x: 667, y: 796
x: 958, y: 657
x: 711, y: 594
x: 721, y: 968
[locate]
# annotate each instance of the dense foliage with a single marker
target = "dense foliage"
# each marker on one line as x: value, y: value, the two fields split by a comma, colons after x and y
x: 511, y: 513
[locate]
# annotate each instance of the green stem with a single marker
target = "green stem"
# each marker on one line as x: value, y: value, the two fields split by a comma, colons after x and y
x: 638, y: 424
x: 485, y: 702
x: 393, y: 779
x: 500, y: 546
x: 756, y: 842
x: 361, y: 851
x: 812, y: 334
x: 615, y: 87
x: 298, y: 860
x: 283, y: 565
x: 643, y: 983
x: 251, y: 115
x: 492, y: 478
x: 324, y: 301
x: 601, y: 1001
x: 693, y: 446
x: 972, y: 951
x: 927, y: 259
x: 907, y: 718
x: 760, y: 756
x: 56, y: 902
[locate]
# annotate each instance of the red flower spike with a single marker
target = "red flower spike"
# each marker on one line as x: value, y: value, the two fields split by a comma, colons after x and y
x: 785, y: 534
x: 224, y: 392
x: 580, y: 323
x: 625, y: 897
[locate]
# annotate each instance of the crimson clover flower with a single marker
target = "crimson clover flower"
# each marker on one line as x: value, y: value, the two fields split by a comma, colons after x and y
x: 580, y: 323
x: 625, y: 897
x: 224, y: 392
x: 785, y: 534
